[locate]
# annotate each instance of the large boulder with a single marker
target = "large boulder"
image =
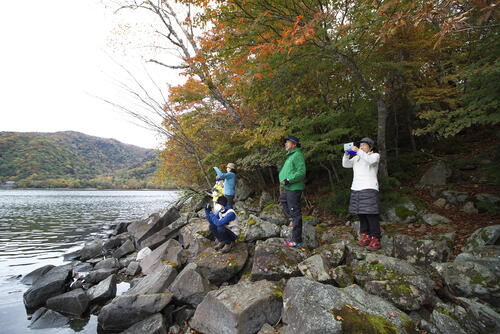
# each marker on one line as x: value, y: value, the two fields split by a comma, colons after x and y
x: 405, y: 212
x: 143, y: 229
x: 156, y: 282
x: 265, y: 199
x: 405, y: 285
x: 52, y: 283
x: 242, y: 308
x: 437, y: 175
x: 474, y: 275
x: 243, y: 190
x: 455, y: 197
x: 96, y: 276
x: 489, y: 235
x: 168, y: 254
x: 219, y: 267
x: 91, y: 250
x: 155, y: 324
x: 126, y: 248
x: 274, y: 261
x: 331, y: 234
x: 423, y: 251
x: 312, y: 307
x: 36, y: 274
x: 193, y: 237
x: 273, y: 213
x: 190, y: 287
x: 73, y: 303
x: 103, y: 291
x: 316, y: 268
x: 334, y: 254
x: 258, y: 229
x: 487, y: 203
x: 107, y: 264
x: 434, y: 219
x: 124, y: 311
x: 44, y: 318
x: 168, y: 232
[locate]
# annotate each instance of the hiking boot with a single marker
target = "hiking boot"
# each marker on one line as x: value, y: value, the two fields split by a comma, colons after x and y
x: 292, y: 244
x: 374, y: 244
x: 227, y: 247
x: 365, y: 240
x: 219, y: 245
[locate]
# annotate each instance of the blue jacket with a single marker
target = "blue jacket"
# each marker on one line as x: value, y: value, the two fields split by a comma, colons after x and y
x: 229, y: 181
x: 215, y: 218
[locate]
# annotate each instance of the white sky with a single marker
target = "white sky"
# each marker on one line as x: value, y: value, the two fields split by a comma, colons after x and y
x: 55, y: 57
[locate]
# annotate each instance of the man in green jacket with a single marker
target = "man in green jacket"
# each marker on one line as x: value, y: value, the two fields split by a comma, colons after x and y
x: 292, y: 177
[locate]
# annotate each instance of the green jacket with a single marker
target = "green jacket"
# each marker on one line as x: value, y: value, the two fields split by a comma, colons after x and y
x: 294, y: 170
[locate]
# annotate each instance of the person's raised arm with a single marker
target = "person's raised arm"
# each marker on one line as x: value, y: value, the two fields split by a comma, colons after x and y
x: 346, y: 161
x: 370, y: 158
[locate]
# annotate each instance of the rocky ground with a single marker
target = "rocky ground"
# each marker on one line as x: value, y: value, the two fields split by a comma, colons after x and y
x: 419, y: 282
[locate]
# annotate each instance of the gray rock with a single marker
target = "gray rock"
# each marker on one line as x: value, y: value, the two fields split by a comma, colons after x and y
x: 120, y: 228
x: 434, y: 219
x: 405, y: 285
x: 96, y: 276
x: 155, y: 324
x: 445, y: 323
x: 36, y: 274
x: 126, y: 248
x: 155, y: 282
x: 469, y: 208
x: 243, y: 190
x: 52, y: 283
x: 91, y: 250
x: 422, y: 252
x: 473, y: 276
x: 168, y: 232
x: 143, y: 229
x: 108, y: 263
x: 182, y: 315
x: 44, y: 318
x: 440, y: 202
x: 168, y: 254
x: 124, y: 311
x: 218, y: 267
x: 74, y: 302
x: 309, y: 233
x: 402, y: 213
x: 489, y: 235
x: 334, y: 234
x: 175, y: 329
x: 82, y: 267
x: 455, y: 197
x: 437, y: 175
x: 312, y: 307
x: 103, y: 291
x: 193, y: 237
x: 258, y: 229
x: 334, y: 254
x: 111, y: 244
x: 274, y: 261
x: 273, y: 213
x: 133, y: 268
x: 190, y: 287
x: 72, y: 255
x: 316, y: 268
x: 242, y: 308
x: 478, y: 318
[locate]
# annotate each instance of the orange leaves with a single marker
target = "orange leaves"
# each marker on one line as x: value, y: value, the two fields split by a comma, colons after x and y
x: 258, y: 76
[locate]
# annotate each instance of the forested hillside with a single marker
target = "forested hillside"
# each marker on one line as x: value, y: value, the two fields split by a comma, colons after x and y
x: 73, y: 159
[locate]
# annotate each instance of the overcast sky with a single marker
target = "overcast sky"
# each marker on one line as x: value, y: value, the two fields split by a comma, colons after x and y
x: 56, y: 57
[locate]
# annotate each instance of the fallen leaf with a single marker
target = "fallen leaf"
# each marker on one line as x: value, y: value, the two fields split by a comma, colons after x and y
x: 339, y: 318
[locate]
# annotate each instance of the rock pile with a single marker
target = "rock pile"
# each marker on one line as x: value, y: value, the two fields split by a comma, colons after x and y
x: 180, y: 284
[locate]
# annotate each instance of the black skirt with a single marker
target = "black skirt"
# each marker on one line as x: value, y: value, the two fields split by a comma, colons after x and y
x: 364, y: 202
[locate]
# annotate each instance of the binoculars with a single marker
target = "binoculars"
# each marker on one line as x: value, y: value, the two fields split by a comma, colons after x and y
x: 348, y: 146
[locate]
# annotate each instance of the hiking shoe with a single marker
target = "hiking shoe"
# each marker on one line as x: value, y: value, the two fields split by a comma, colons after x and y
x: 365, y: 240
x: 374, y: 244
x: 292, y: 244
x: 227, y: 247
x: 219, y: 245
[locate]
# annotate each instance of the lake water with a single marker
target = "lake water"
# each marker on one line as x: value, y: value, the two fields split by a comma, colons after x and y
x: 38, y: 226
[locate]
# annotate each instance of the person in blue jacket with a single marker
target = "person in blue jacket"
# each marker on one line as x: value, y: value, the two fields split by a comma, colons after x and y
x: 223, y: 224
x: 229, y: 181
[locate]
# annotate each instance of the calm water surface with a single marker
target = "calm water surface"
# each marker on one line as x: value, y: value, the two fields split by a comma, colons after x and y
x: 38, y: 226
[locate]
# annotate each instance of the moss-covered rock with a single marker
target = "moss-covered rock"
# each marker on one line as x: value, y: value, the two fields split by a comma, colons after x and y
x: 489, y: 235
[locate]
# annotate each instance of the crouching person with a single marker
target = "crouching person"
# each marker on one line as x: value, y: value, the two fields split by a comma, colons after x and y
x: 223, y: 224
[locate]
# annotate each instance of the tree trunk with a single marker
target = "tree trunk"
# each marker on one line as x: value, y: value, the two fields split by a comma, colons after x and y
x: 381, y: 125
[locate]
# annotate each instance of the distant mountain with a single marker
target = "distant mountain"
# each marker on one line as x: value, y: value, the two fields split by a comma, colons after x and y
x: 73, y: 159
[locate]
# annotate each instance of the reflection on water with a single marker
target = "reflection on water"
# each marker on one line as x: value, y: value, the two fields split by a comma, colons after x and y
x: 38, y: 226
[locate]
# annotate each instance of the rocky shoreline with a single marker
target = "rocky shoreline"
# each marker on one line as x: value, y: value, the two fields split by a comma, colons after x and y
x: 180, y: 284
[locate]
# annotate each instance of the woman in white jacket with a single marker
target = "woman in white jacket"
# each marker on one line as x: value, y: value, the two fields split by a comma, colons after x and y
x: 364, y: 192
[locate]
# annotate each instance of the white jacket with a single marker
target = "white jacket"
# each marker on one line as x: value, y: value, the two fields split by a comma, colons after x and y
x: 365, y: 168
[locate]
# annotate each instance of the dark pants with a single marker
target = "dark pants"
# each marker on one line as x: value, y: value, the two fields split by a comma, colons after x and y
x: 230, y: 200
x: 370, y: 225
x: 290, y: 199
x: 222, y: 233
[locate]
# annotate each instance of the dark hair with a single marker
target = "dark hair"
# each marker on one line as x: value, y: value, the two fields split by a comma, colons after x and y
x: 232, y: 170
x: 222, y: 200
